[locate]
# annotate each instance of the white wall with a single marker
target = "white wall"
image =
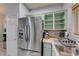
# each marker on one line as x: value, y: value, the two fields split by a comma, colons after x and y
x: 68, y: 7
x: 23, y: 11
x: 12, y: 19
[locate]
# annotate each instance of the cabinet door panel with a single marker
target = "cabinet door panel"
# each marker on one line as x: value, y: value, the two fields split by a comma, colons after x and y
x: 47, y: 49
x: 47, y: 45
x: 55, y: 21
x: 59, y: 15
x: 48, y: 21
x: 59, y: 20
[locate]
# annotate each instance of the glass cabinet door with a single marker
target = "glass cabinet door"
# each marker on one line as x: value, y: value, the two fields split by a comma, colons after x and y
x: 55, y: 21
x: 49, y: 21
x: 59, y: 20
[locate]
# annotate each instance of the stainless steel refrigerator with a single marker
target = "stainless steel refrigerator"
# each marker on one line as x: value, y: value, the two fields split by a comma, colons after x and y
x: 30, y: 35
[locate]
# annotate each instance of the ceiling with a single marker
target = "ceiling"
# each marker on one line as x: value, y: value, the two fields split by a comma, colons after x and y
x: 32, y: 6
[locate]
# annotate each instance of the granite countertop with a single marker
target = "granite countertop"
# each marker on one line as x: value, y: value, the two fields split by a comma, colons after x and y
x: 52, y: 41
x: 49, y: 40
x: 56, y: 44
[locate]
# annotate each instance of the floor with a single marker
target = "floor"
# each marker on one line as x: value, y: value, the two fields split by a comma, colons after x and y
x: 2, y: 51
x: 22, y: 52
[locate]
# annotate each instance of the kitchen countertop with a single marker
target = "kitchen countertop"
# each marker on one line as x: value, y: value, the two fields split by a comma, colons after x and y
x: 49, y: 40
x: 54, y: 42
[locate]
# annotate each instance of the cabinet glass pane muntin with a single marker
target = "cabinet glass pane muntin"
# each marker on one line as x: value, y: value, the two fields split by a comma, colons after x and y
x: 48, y: 21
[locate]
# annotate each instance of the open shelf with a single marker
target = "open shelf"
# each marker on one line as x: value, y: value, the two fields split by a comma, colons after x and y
x: 59, y: 15
x: 55, y: 21
x: 59, y: 20
x: 48, y: 16
x: 49, y: 21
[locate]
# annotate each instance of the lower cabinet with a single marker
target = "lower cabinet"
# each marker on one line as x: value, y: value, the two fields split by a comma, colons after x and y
x: 47, y: 49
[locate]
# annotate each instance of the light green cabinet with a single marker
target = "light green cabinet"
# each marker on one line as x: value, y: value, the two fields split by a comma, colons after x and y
x: 59, y: 20
x: 48, y: 21
x: 47, y: 49
x: 55, y: 21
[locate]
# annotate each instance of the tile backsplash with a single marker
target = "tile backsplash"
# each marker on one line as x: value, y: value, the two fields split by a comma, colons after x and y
x: 54, y: 33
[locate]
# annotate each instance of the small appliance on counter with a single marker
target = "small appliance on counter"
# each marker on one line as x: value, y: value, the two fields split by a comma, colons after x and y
x: 45, y: 34
x: 63, y: 34
x: 66, y: 34
x: 4, y: 39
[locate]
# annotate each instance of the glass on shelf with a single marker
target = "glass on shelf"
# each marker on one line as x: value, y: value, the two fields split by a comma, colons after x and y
x: 59, y: 15
x: 59, y: 26
x: 60, y: 19
x: 48, y: 27
x: 60, y: 23
x: 49, y: 24
x: 49, y: 16
x: 47, y: 20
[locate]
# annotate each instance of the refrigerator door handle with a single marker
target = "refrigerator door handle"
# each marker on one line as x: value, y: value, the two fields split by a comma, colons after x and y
x: 28, y: 32
x: 26, y: 37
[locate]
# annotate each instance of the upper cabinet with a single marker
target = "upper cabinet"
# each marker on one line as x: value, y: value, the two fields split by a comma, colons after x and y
x: 59, y: 20
x: 48, y: 24
x: 55, y: 21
